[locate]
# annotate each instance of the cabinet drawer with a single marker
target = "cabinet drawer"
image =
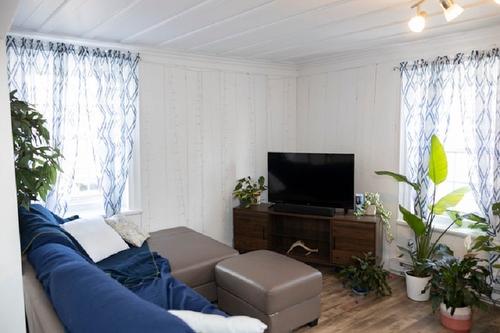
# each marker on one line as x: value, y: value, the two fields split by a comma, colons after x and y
x: 344, y: 257
x: 245, y: 244
x: 349, y: 244
x: 250, y: 228
x: 354, y: 231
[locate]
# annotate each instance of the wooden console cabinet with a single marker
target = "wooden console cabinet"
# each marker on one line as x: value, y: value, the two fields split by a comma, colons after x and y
x: 337, y: 238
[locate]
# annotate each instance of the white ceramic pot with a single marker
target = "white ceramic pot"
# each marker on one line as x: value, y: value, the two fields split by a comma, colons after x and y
x: 414, y: 287
x: 460, y: 321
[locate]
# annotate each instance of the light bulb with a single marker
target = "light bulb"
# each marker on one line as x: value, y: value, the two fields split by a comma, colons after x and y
x: 417, y: 23
x: 451, y: 10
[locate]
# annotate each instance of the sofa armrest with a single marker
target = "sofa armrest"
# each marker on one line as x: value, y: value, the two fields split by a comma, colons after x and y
x: 40, y: 314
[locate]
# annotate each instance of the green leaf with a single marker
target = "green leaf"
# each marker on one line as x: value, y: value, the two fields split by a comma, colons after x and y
x: 398, y: 178
x: 449, y: 201
x: 496, y: 208
x: 413, y: 221
x: 474, y: 218
x: 438, y: 163
x: 456, y: 217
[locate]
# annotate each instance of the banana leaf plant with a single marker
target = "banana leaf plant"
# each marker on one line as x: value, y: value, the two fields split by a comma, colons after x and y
x: 426, y: 239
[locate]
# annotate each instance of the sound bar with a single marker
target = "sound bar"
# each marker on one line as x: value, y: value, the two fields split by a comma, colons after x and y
x: 303, y: 209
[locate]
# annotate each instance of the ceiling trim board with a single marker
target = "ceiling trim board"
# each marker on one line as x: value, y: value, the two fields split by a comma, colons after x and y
x: 241, y: 33
x: 321, y: 26
x: 227, y: 19
x: 165, y: 21
x: 91, y: 33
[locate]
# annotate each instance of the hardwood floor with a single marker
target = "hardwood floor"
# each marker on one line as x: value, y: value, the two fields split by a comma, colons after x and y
x: 343, y: 312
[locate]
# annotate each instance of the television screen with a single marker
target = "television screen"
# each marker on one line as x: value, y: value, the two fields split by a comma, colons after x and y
x: 324, y: 180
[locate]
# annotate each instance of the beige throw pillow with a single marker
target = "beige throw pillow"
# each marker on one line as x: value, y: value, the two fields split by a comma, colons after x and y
x: 127, y: 229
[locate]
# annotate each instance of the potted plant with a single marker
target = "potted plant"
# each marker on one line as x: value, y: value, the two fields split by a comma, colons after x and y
x: 372, y: 205
x: 365, y: 276
x: 36, y: 162
x: 457, y: 285
x: 249, y: 191
x: 426, y: 239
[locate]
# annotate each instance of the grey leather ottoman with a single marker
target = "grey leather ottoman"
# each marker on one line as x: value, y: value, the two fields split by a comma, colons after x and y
x: 282, y: 292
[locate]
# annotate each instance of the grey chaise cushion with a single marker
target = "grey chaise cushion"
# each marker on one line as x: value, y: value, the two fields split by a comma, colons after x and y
x: 192, y: 256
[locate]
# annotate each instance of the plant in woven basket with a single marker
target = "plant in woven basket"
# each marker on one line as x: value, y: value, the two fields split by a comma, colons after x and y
x: 36, y: 162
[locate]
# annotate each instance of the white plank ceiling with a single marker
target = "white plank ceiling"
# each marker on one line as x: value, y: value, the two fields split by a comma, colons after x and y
x: 295, y: 31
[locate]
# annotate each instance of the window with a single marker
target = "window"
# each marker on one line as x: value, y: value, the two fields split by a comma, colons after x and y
x: 89, y: 97
x: 459, y: 162
x: 456, y: 101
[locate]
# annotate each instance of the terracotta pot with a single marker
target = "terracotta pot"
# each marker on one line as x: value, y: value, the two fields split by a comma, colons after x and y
x: 414, y: 287
x: 460, y: 322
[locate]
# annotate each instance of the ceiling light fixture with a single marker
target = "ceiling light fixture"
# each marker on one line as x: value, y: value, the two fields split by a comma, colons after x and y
x: 417, y: 23
x: 451, y: 9
x: 497, y: 1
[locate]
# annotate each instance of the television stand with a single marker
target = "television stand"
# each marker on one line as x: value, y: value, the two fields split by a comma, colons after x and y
x: 303, y: 209
x: 336, y: 238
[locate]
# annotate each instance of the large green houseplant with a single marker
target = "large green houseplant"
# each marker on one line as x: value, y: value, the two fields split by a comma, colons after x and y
x: 457, y: 285
x: 421, y: 221
x: 36, y: 162
x: 365, y: 276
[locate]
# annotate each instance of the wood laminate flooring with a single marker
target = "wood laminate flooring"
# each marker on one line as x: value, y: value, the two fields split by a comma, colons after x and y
x: 343, y: 312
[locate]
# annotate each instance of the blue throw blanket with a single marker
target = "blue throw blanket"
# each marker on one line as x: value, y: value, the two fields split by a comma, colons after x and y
x: 127, y: 292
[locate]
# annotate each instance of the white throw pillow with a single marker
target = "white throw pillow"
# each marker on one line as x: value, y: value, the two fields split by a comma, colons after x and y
x: 97, y: 238
x: 129, y: 231
x: 210, y: 323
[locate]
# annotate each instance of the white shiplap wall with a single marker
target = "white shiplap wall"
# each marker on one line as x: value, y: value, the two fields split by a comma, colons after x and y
x: 353, y: 111
x: 352, y: 104
x: 203, y: 127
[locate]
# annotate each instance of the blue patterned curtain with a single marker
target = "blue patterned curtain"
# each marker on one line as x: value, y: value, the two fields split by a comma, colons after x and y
x: 425, y: 110
x: 468, y: 87
x: 66, y: 83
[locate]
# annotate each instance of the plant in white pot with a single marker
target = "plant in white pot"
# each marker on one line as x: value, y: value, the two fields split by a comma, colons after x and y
x: 373, y: 205
x: 457, y: 285
x: 426, y: 239
x: 249, y: 191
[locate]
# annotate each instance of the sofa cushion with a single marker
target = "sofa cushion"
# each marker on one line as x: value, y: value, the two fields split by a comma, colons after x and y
x: 269, y: 281
x: 192, y: 256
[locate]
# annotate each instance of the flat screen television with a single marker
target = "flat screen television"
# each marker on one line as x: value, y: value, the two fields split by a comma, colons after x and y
x: 308, y: 179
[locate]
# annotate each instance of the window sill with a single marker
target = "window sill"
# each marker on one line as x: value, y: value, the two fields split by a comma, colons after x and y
x: 442, y: 223
x: 89, y: 213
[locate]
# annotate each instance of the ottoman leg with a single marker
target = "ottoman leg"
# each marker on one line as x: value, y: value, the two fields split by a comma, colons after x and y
x: 313, y: 323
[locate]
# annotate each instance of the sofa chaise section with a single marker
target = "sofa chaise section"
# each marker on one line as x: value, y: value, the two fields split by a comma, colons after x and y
x: 192, y: 257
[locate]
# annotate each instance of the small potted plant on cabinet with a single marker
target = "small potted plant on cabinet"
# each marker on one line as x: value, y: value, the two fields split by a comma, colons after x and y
x: 457, y: 285
x: 426, y: 239
x: 249, y: 191
x: 365, y: 276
